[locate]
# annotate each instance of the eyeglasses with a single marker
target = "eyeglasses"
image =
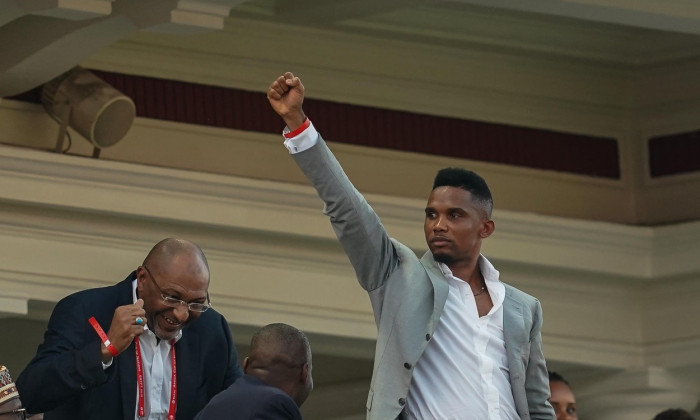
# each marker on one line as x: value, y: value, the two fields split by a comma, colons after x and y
x: 21, y: 413
x: 173, y: 302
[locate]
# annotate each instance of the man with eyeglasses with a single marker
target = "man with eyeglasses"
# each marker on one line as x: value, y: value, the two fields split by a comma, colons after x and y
x: 149, y: 347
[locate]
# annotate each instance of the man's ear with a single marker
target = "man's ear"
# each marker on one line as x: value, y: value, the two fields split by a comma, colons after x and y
x: 304, y: 374
x: 487, y: 228
x: 246, y: 363
x: 140, y: 278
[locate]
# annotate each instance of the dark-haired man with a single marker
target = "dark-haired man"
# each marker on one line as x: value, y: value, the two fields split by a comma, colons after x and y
x: 277, y: 379
x: 149, y: 347
x: 453, y: 341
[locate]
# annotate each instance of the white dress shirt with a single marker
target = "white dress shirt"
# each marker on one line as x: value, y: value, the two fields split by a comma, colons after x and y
x: 463, y: 374
x: 157, y: 373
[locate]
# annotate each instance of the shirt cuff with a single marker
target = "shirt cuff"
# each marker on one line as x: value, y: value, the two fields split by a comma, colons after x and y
x: 306, y: 139
x: 108, y: 364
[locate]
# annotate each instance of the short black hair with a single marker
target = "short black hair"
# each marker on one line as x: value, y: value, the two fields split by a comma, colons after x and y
x: 674, y: 414
x: 555, y: 377
x: 466, y: 180
x: 294, y: 342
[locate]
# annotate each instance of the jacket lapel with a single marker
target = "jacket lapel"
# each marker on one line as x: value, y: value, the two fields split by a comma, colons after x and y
x: 188, y: 391
x: 440, y: 288
x: 127, y: 376
x: 126, y: 361
x: 514, y: 334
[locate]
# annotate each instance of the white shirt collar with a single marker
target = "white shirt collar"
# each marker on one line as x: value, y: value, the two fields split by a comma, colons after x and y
x: 491, y: 276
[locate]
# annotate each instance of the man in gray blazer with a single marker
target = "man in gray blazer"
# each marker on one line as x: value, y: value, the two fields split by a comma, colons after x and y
x: 453, y: 341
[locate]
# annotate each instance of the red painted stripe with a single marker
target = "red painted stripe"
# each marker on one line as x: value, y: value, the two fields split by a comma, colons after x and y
x: 674, y: 154
x: 374, y: 127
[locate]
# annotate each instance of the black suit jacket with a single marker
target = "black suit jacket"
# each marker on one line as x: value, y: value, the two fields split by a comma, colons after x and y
x: 65, y: 379
x: 249, y: 398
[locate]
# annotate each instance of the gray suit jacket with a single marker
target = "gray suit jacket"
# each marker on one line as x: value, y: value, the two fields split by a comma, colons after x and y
x: 408, y: 296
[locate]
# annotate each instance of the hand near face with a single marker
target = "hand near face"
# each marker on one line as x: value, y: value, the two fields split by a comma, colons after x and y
x: 286, y: 96
x: 124, y: 327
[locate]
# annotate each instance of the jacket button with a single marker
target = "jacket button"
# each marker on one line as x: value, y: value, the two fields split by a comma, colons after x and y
x: 402, y: 401
x: 407, y: 365
x: 427, y: 337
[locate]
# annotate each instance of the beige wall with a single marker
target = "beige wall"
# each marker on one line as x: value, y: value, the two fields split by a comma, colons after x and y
x: 611, y: 293
x: 618, y: 284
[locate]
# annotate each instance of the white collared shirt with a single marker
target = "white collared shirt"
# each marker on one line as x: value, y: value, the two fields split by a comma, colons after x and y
x: 157, y: 373
x: 463, y: 374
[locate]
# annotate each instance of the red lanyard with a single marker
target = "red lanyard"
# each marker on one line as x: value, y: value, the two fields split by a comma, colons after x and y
x: 139, y: 381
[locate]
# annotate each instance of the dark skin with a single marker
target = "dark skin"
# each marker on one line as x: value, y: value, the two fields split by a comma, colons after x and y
x: 293, y: 378
x: 456, y: 241
x: 286, y: 96
x: 182, y: 277
x: 280, y: 356
x: 180, y: 273
x: 563, y: 401
x: 455, y: 227
x: 10, y: 405
x: 123, y: 328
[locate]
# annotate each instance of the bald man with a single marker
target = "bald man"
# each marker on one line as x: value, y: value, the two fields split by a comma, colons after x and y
x: 277, y: 379
x: 148, y: 347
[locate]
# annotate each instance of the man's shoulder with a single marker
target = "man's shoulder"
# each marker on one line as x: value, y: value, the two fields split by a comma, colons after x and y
x: 413, y: 266
x: 75, y: 309
x: 273, y: 400
x: 255, y: 390
x: 208, y: 319
x: 518, y: 295
x: 249, y: 397
x: 211, y: 329
x: 405, y: 253
x: 99, y: 294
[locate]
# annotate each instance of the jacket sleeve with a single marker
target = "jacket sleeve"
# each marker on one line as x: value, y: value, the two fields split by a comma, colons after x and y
x: 355, y: 223
x: 67, y: 363
x: 536, y: 376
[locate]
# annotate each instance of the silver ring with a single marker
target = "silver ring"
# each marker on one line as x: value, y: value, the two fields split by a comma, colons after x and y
x: 139, y: 320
